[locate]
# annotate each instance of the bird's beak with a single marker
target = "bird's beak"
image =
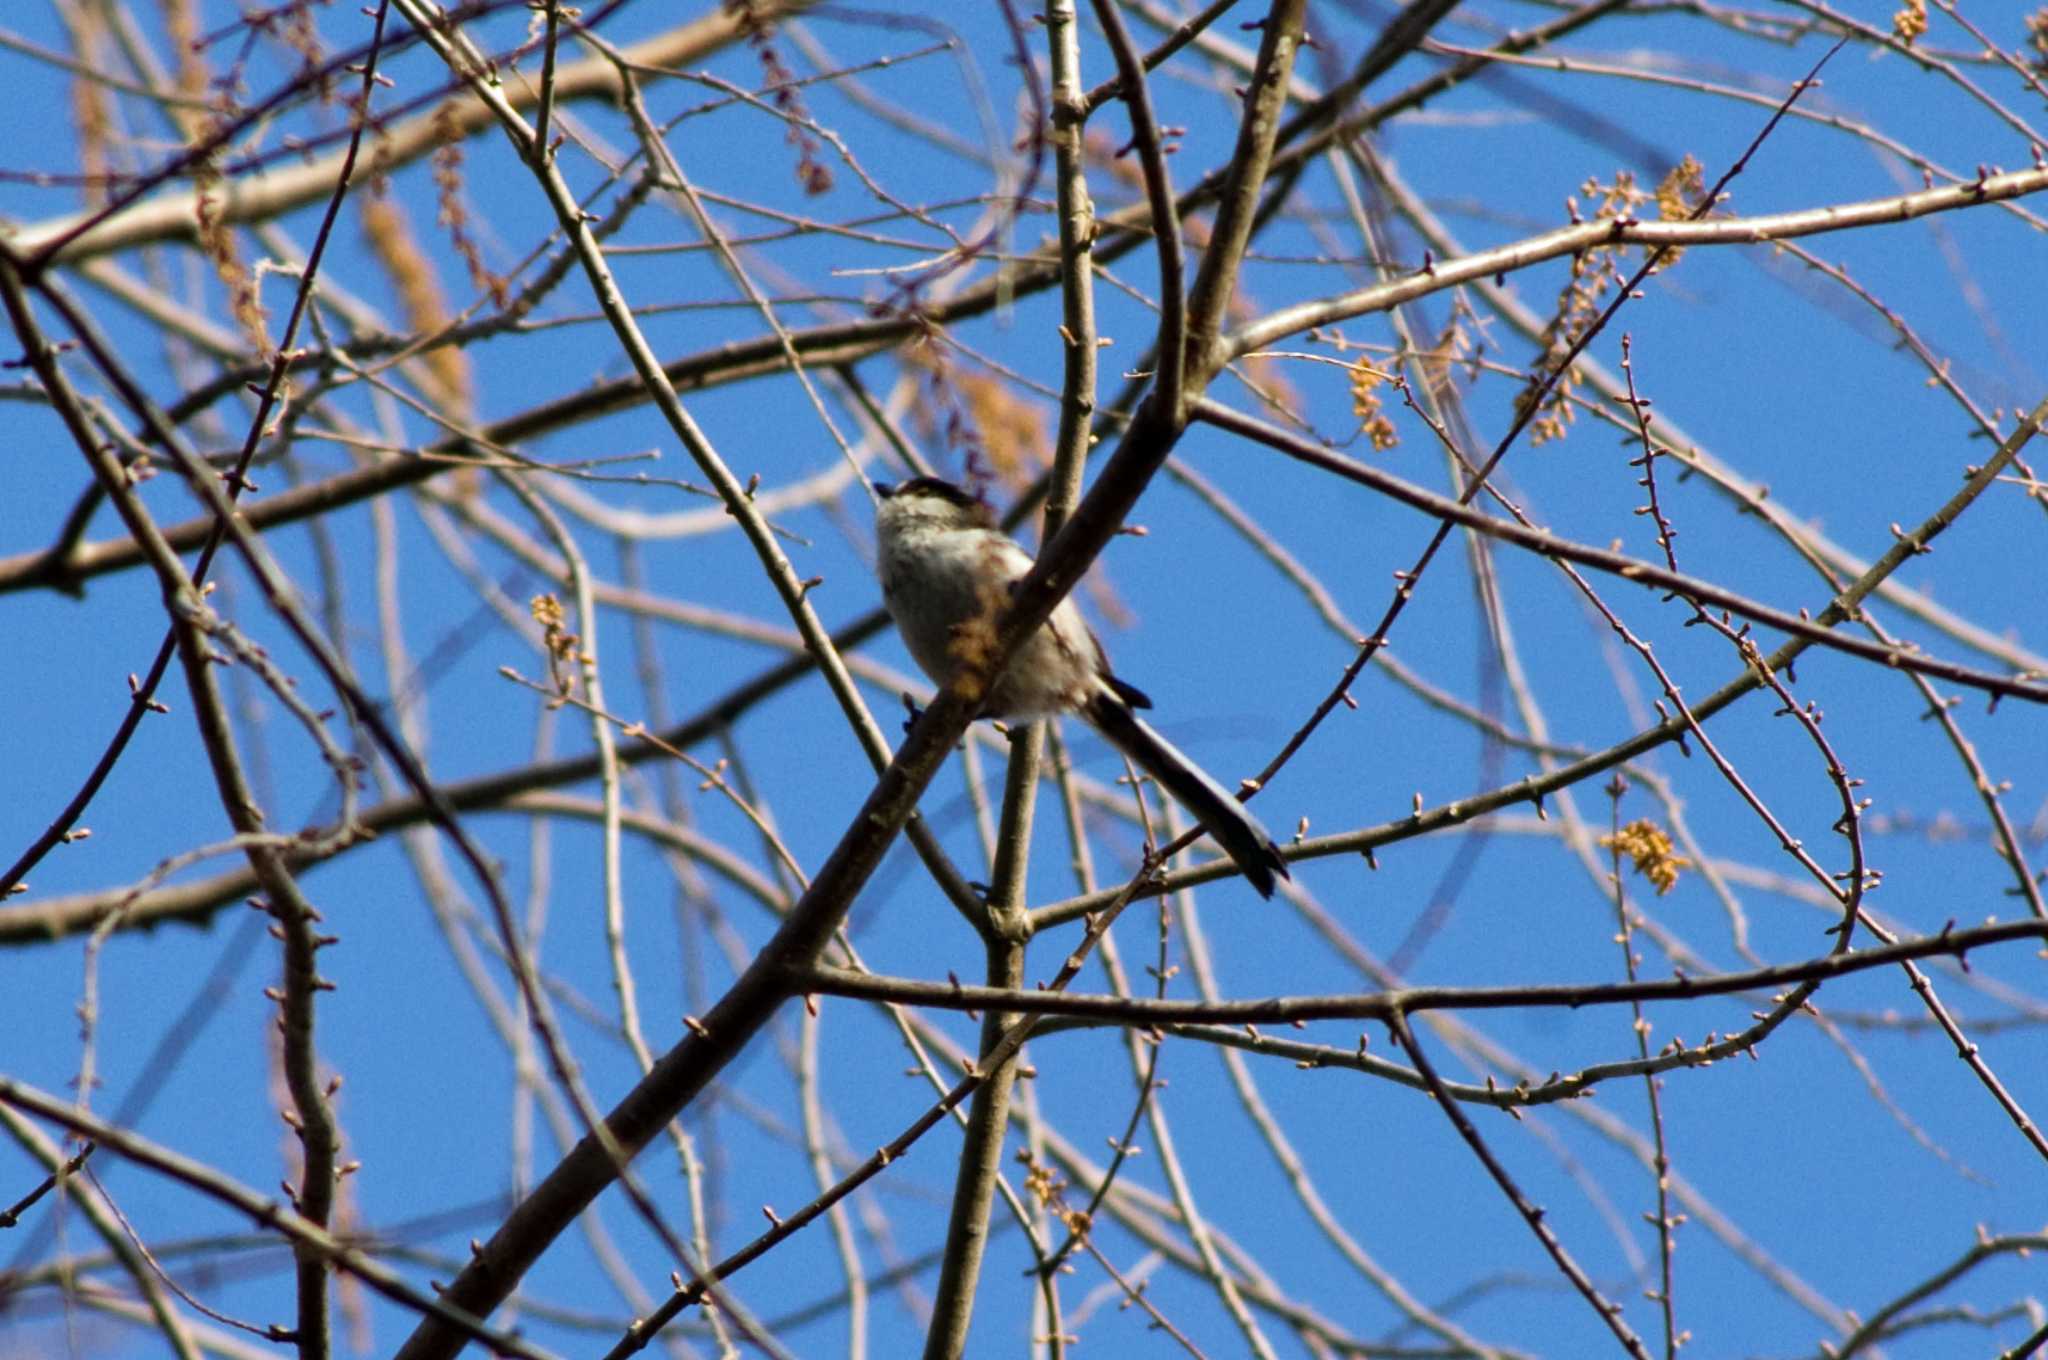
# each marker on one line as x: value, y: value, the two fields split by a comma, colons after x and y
x: 884, y: 489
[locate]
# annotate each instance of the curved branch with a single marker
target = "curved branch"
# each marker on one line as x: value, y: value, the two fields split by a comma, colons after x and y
x: 955, y: 996
x: 174, y: 215
x: 1439, y: 275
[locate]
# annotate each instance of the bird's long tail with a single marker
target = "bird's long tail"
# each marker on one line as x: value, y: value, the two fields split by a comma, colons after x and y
x: 1222, y: 816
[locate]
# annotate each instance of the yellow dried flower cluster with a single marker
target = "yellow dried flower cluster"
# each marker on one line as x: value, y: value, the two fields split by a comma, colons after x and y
x: 93, y: 117
x: 1678, y: 197
x: 1594, y: 271
x: 1910, y: 22
x: 451, y: 207
x: 1460, y: 345
x: 217, y: 243
x: 757, y: 24
x: 1365, y: 404
x: 562, y: 645
x: 1648, y: 846
x: 1578, y: 304
x: 1045, y: 1184
x: 976, y: 414
x: 216, y: 239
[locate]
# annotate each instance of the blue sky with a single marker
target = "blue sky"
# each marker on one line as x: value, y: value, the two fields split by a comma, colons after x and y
x: 1760, y: 363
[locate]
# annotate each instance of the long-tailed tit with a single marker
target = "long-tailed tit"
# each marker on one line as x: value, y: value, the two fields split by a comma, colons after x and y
x: 946, y: 572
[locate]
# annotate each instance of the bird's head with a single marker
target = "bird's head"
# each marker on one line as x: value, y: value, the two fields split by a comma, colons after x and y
x: 928, y: 503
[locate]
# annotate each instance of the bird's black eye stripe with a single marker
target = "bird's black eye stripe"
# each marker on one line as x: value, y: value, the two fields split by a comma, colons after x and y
x: 933, y: 486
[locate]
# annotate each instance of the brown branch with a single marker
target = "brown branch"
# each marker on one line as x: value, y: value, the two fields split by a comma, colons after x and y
x: 1183, y: 34
x: 1170, y: 380
x: 1570, y: 240
x: 1239, y: 197
x: 954, y: 996
x: 1664, y: 1221
x: 981, y: 1154
x: 1805, y: 631
x: 173, y: 215
x: 1610, y: 1313
x: 1880, y: 1323
x: 833, y: 343
x: 266, y: 1213
x: 11, y: 1215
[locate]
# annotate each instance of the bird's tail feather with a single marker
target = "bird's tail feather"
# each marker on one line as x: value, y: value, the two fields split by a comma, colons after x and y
x: 1222, y: 816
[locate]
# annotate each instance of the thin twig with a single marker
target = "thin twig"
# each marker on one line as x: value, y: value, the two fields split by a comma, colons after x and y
x: 1610, y: 1313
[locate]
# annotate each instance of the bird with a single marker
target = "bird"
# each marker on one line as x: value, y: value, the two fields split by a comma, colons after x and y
x: 947, y: 570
